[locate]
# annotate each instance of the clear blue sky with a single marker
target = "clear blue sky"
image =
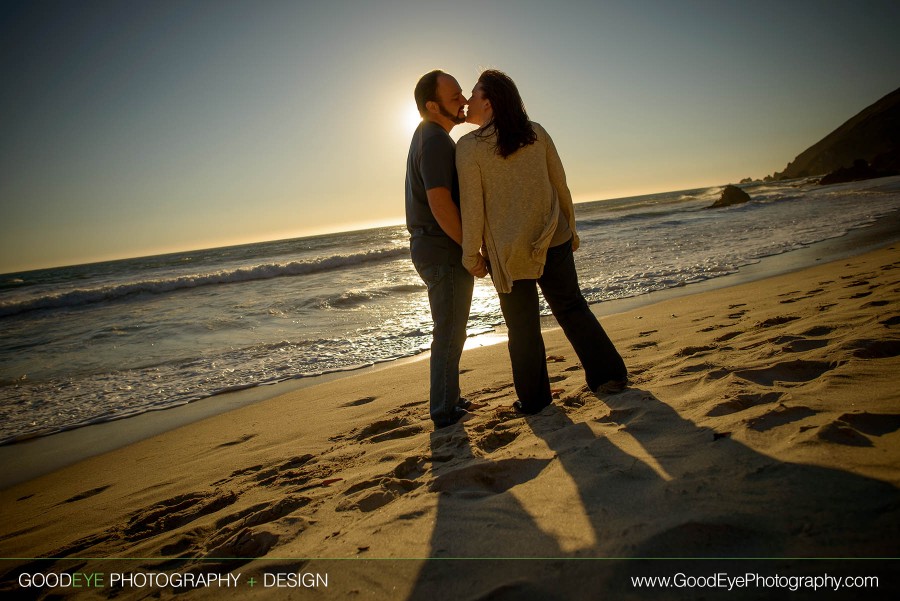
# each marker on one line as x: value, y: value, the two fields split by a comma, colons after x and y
x: 133, y: 128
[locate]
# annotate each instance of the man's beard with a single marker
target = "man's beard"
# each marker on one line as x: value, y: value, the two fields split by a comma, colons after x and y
x: 454, y: 118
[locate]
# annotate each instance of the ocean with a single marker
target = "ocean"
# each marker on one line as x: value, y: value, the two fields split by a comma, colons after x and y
x: 94, y: 343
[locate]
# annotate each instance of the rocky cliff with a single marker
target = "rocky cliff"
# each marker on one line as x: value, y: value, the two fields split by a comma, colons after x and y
x: 873, y: 135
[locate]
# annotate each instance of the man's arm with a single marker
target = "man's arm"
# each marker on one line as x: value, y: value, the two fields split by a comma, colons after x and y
x: 445, y: 212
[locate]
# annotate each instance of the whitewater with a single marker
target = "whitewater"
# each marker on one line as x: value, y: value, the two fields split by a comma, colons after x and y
x: 94, y: 343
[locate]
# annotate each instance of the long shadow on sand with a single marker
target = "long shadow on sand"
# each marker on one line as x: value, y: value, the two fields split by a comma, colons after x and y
x: 691, y: 501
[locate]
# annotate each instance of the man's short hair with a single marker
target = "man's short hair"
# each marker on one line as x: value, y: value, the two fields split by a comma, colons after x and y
x: 426, y: 90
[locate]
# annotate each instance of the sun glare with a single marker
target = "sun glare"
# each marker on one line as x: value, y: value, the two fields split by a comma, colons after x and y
x: 411, y: 117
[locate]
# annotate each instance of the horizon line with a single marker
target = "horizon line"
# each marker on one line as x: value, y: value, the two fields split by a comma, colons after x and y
x: 313, y: 233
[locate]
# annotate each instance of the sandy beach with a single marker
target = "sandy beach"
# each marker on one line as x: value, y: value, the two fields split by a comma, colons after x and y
x: 759, y: 434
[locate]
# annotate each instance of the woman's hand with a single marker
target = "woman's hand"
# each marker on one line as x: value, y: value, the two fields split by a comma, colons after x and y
x: 480, y: 269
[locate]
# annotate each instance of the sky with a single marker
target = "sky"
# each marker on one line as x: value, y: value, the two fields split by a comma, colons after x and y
x: 133, y: 128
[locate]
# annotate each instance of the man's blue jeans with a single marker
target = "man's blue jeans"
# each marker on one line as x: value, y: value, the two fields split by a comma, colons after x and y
x: 450, y: 296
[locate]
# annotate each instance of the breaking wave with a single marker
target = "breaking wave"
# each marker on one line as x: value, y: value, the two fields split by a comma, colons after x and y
x: 87, y: 296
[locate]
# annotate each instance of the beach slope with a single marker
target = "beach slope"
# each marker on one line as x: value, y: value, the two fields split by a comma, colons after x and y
x: 763, y: 421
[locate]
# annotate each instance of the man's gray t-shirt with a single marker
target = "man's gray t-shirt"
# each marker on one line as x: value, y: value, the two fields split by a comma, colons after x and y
x: 431, y: 164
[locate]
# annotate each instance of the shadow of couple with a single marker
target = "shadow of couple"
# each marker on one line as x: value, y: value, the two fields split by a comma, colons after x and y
x: 681, y: 499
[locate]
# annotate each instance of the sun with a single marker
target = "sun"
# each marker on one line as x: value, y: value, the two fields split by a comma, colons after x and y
x: 411, y: 117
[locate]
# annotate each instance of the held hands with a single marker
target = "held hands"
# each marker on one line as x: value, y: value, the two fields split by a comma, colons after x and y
x: 480, y: 269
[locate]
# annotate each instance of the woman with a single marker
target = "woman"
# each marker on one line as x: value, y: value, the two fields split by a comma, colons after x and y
x: 515, y: 203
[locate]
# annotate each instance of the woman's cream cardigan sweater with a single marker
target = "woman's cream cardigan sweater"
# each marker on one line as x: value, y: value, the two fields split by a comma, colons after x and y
x: 511, y: 206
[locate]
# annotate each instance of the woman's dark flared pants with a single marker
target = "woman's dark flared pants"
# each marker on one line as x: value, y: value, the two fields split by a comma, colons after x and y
x: 521, y: 310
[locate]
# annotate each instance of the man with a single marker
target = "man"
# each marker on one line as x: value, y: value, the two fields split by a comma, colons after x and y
x: 433, y: 221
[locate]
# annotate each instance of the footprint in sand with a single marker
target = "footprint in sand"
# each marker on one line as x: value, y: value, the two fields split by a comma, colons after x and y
x: 777, y: 321
x: 875, y: 349
x: 690, y: 351
x: 302, y: 472
x: 362, y: 401
x: 807, y: 295
x: 246, y: 543
x: 375, y: 493
x: 727, y: 337
x: 708, y: 371
x: 642, y: 345
x: 742, y: 402
x: 250, y: 532
x: 387, y: 490
x: 574, y: 402
x: 496, y: 439
x: 873, y: 424
x: 175, y: 512
x: 295, y: 462
x: 241, y: 472
x: 493, y: 389
x: 715, y: 327
x: 855, y: 429
x: 234, y: 537
x: 297, y: 471
x: 779, y: 417
x: 799, y: 346
x: 787, y: 372
x: 86, y: 495
x: 891, y: 321
x: 481, y: 478
x: 818, y: 331
x: 840, y: 433
x: 621, y: 417
x: 261, y: 513
x: 388, y: 429
x: 483, y: 396
x: 240, y: 440
x: 411, y: 468
x: 876, y: 304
